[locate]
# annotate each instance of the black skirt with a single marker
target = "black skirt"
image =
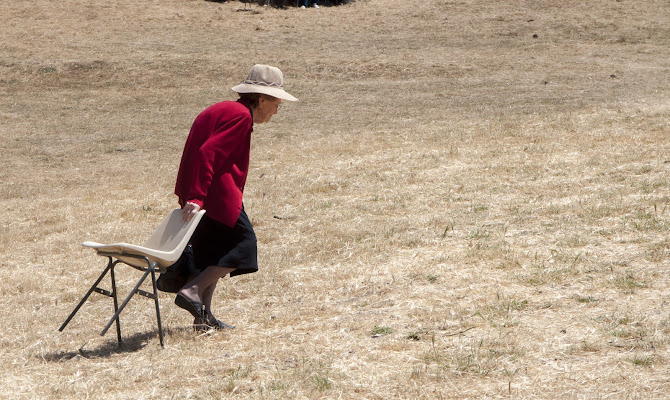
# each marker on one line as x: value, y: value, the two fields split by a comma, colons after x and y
x: 216, y: 244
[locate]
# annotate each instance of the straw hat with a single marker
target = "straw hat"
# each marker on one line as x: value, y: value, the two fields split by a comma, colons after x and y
x: 266, y: 80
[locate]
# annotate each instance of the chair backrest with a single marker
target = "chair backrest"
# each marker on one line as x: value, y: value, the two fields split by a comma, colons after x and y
x: 172, y: 235
x: 164, y: 246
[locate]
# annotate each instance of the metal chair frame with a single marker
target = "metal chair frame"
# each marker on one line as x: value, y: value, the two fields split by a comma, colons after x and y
x: 111, y: 264
x: 162, y: 249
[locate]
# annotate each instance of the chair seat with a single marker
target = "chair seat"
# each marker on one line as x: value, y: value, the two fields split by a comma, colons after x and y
x: 164, y: 246
x: 162, y: 259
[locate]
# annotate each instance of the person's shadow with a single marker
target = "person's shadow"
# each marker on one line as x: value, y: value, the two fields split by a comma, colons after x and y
x: 129, y: 344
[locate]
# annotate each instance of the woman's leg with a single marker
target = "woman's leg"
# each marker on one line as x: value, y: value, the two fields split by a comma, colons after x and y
x: 195, y: 290
x: 207, y: 295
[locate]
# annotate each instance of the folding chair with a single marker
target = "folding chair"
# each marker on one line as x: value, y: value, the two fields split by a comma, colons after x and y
x: 162, y: 249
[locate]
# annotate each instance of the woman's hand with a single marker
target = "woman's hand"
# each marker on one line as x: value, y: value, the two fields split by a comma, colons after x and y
x: 189, y: 210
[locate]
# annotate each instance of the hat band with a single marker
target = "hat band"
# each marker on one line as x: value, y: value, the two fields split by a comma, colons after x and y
x: 271, y: 84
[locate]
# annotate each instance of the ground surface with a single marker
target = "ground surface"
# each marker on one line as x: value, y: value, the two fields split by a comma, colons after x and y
x: 471, y: 199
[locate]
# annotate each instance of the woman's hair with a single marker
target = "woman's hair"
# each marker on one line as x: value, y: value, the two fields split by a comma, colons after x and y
x: 252, y: 98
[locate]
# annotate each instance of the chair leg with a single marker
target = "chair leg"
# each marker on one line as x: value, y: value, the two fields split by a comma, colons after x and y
x: 86, y: 296
x: 125, y: 302
x: 116, y: 306
x: 151, y: 270
x: 158, y: 309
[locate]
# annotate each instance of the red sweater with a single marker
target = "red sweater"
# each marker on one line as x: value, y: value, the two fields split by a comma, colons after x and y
x: 215, y: 161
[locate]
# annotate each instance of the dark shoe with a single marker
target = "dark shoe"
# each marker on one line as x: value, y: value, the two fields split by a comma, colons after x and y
x: 217, y: 324
x: 199, y: 325
x: 194, y: 307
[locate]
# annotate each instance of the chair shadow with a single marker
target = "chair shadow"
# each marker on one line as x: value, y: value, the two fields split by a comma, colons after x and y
x: 128, y: 344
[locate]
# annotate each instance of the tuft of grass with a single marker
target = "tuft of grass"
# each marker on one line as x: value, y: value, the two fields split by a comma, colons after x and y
x: 575, y: 241
x: 646, y: 221
x: 483, y: 356
x: 416, y: 335
x: 584, y: 299
x: 502, y: 312
x: 641, y: 360
x: 322, y: 383
x: 627, y: 282
x: 381, y: 330
x: 417, y: 371
x: 449, y: 227
x: 587, y: 347
x: 278, y: 386
x: 561, y: 266
x: 48, y: 70
x: 233, y: 375
x: 657, y: 252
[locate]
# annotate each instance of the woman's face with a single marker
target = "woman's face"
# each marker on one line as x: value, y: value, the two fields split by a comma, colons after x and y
x: 267, y: 107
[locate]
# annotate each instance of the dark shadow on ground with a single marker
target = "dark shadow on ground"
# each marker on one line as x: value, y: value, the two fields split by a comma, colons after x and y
x: 129, y: 344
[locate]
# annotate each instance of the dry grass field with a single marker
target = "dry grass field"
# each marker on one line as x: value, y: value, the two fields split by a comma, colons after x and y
x: 470, y: 201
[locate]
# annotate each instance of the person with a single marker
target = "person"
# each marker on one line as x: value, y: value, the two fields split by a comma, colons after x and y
x: 305, y: 3
x: 212, y: 175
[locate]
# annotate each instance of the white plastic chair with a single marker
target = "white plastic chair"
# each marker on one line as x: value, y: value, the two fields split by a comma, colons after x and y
x: 162, y: 249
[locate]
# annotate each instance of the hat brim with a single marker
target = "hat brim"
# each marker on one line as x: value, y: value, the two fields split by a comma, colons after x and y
x: 270, y: 91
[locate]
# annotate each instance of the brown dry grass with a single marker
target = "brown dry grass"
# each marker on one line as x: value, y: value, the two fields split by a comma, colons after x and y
x: 474, y: 198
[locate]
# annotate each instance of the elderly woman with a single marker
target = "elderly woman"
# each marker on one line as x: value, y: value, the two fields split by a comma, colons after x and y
x: 211, y: 176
